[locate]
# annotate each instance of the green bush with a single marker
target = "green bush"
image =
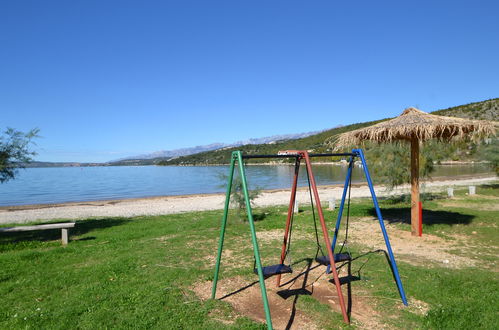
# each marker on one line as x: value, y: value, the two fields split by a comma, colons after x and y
x: 237, y: 199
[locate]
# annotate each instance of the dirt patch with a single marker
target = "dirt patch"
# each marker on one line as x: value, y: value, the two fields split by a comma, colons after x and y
x: 417, y: 306
x: 478, y: 196
x: 270, y: 235
x: 412, y: 249
x: 230, y: 260
x: 219, y: 316
x: 166, y: 237
x: 286, y: 310
x: 469, y: 201
x: 245, y: 297
x: 463, y: 204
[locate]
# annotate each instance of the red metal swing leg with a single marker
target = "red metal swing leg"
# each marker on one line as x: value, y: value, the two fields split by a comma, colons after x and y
x: 326, y: 238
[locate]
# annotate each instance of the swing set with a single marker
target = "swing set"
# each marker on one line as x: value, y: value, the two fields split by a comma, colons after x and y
x: 330, y: 258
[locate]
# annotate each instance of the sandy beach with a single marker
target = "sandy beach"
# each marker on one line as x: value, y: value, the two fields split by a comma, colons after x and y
x: 177, y: 204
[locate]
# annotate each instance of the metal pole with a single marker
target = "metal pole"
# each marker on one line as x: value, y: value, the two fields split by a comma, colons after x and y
x: 326, y: 237
x: 382, y: 225
x: 254, y: 240
x: 224, y: 223
x: 293, y: 153
x: 290, y: 214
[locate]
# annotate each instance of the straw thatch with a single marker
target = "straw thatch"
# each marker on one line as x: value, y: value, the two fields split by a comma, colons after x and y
x: 416, y: 126
x: 414, y: 123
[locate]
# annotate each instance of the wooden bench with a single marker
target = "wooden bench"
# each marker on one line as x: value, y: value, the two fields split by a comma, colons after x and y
x: 64, y: 226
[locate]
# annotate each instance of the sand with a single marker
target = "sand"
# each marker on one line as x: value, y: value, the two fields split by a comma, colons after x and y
x: 178, y: 204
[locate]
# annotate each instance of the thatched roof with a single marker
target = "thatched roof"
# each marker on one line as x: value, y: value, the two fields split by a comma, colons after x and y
x: 416, y: 123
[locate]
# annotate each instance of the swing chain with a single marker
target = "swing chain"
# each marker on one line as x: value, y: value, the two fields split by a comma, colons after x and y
x: 317, y: 241
x: 345, y: 241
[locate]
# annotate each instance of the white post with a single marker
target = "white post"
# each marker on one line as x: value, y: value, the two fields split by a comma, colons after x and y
x: 297, y: 209
x: 64, y: 236
x: 332, y: 204
x: 472, y: 190
x: 450, y: 192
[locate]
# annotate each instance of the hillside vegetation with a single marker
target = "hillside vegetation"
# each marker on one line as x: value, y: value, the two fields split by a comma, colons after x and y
x: 485, y: 110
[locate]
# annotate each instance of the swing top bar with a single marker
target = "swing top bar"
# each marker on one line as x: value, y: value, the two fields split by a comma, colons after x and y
x: 294, y: 154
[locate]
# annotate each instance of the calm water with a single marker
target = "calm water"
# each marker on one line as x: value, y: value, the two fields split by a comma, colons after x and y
x: 70, y: 184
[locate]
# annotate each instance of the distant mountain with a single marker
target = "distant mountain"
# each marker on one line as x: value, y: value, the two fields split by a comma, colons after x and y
x: 175, y: 152
x: 163, y: 154
x: 485, y: 110
x: 274, y: 138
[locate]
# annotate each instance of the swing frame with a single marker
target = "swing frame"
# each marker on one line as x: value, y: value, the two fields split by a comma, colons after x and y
x: 238, y: 157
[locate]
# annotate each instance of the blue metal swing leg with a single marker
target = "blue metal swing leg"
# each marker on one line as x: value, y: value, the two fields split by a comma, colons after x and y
x: 360, y: 153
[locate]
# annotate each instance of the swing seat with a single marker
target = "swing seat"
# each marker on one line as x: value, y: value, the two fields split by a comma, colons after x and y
x: 339, y: 257
x: 274, y: 270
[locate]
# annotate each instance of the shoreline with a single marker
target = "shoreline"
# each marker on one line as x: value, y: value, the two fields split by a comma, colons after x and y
x: 342, y: 162
x: 11, y: 208
x: 338, y: 162
x: 158, y: 205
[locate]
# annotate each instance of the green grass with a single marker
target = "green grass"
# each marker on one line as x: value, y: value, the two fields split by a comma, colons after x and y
x: 139, y: 272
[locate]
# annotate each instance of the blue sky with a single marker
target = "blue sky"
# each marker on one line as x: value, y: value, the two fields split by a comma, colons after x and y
x: 108, y: 79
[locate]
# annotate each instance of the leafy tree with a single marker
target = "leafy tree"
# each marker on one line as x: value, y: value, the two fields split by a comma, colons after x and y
x: 490, y: 152
x: 237, y: 199
x: 15, y: 152
x: 391, y: 162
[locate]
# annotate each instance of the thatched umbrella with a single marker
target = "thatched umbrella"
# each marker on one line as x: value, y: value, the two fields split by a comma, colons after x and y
x: 416, y: 126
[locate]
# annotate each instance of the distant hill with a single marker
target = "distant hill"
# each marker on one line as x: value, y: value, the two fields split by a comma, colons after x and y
x: 173, y: 153
x: 162, y: 154
x: 134, y: 162
x: 222, y: 156
x: 63, y: 164
x: 485, y: 110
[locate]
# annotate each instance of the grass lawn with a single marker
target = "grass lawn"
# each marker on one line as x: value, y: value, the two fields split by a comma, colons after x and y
x: 146, y: 272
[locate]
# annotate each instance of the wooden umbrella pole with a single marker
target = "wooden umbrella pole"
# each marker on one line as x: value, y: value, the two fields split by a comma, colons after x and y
x: 414, y: 186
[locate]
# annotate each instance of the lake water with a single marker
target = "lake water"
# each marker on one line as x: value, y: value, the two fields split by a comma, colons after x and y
x: 74, y: 184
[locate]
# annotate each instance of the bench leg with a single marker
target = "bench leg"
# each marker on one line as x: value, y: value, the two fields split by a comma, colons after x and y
x: 65, y: 236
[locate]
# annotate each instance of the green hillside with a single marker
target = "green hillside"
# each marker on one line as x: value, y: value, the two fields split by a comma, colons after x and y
x: 485, y: 110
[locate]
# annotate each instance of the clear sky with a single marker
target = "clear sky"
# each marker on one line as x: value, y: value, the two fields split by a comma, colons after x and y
x: 107, y: 79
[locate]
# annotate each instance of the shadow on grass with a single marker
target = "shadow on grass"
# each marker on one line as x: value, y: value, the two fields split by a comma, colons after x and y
x: 491, y: 189
x: 259, y: 216
x: 81, y: 228
x: 430, y: 217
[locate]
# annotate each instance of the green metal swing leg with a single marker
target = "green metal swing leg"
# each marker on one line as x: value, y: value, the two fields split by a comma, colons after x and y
x: 236, y: 156
x: 222, y: 228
